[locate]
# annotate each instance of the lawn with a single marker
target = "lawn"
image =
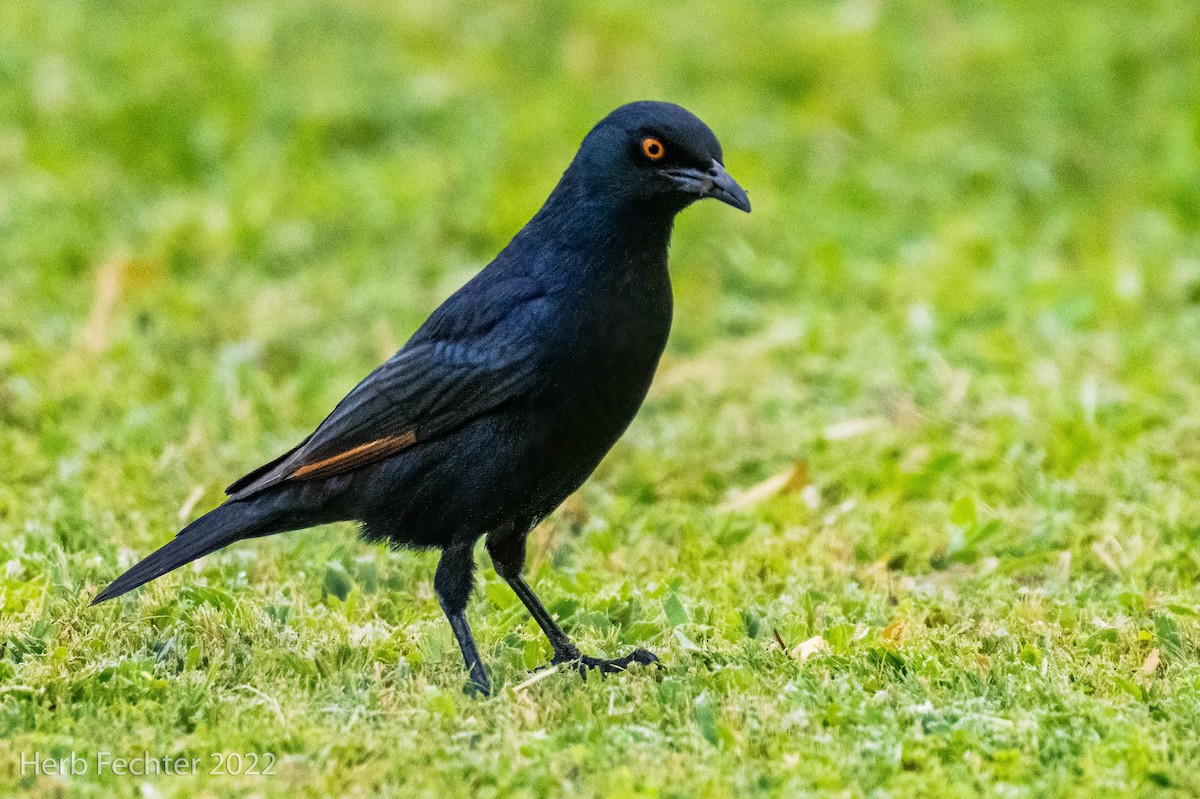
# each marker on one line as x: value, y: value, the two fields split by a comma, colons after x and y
x: 912, y: 510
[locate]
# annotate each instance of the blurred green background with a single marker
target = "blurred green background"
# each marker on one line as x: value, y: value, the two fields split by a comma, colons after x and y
x: 929, y: 409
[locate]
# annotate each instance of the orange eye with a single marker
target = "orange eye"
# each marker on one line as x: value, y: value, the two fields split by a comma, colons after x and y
x: 652, y: 148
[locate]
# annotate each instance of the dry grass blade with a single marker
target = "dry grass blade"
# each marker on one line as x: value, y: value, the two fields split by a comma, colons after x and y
x: 786, y: 482
x: 806, y: 649
x: 852, y: 428
x: 535, y: 679
x: 189, y: 504
x: 110, y: 280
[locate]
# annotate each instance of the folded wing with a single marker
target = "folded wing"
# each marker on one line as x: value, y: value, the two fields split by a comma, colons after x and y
x: 440, y: 381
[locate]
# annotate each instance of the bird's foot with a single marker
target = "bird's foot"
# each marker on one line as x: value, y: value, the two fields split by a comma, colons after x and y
x: 584, y: 663
x: 478, y: 686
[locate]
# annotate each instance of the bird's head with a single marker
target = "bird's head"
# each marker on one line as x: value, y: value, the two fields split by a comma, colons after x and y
x: 657, y: 155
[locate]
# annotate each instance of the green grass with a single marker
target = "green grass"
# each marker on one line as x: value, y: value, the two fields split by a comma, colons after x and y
x: 962, y: 325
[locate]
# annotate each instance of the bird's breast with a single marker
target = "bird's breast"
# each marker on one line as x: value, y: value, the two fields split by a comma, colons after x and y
x: 607, y: 355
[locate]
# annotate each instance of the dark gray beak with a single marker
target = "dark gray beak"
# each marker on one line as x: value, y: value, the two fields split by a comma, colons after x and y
x: 712, y: 182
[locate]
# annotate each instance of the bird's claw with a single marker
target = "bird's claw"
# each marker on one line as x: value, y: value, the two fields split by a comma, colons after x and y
x: 584, y: 663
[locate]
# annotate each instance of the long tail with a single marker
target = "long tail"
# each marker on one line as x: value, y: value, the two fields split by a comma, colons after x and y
x: 219, y: 527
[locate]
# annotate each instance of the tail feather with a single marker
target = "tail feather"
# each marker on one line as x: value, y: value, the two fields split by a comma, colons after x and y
x: 218, y: 528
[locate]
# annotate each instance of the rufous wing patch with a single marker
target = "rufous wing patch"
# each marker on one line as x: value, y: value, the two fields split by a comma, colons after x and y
x: 361, y: 455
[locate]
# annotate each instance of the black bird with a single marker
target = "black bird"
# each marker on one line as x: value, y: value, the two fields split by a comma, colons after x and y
x: 507, y: 397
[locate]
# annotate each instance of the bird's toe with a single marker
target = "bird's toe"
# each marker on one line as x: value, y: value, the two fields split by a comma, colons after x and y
x: 585, y: 663
x: 645, y: 657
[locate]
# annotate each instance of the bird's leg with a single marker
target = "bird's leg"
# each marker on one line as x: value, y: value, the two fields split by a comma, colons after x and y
x: 452, y: 582
x: 565, y: 650
x: 508, y: 556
